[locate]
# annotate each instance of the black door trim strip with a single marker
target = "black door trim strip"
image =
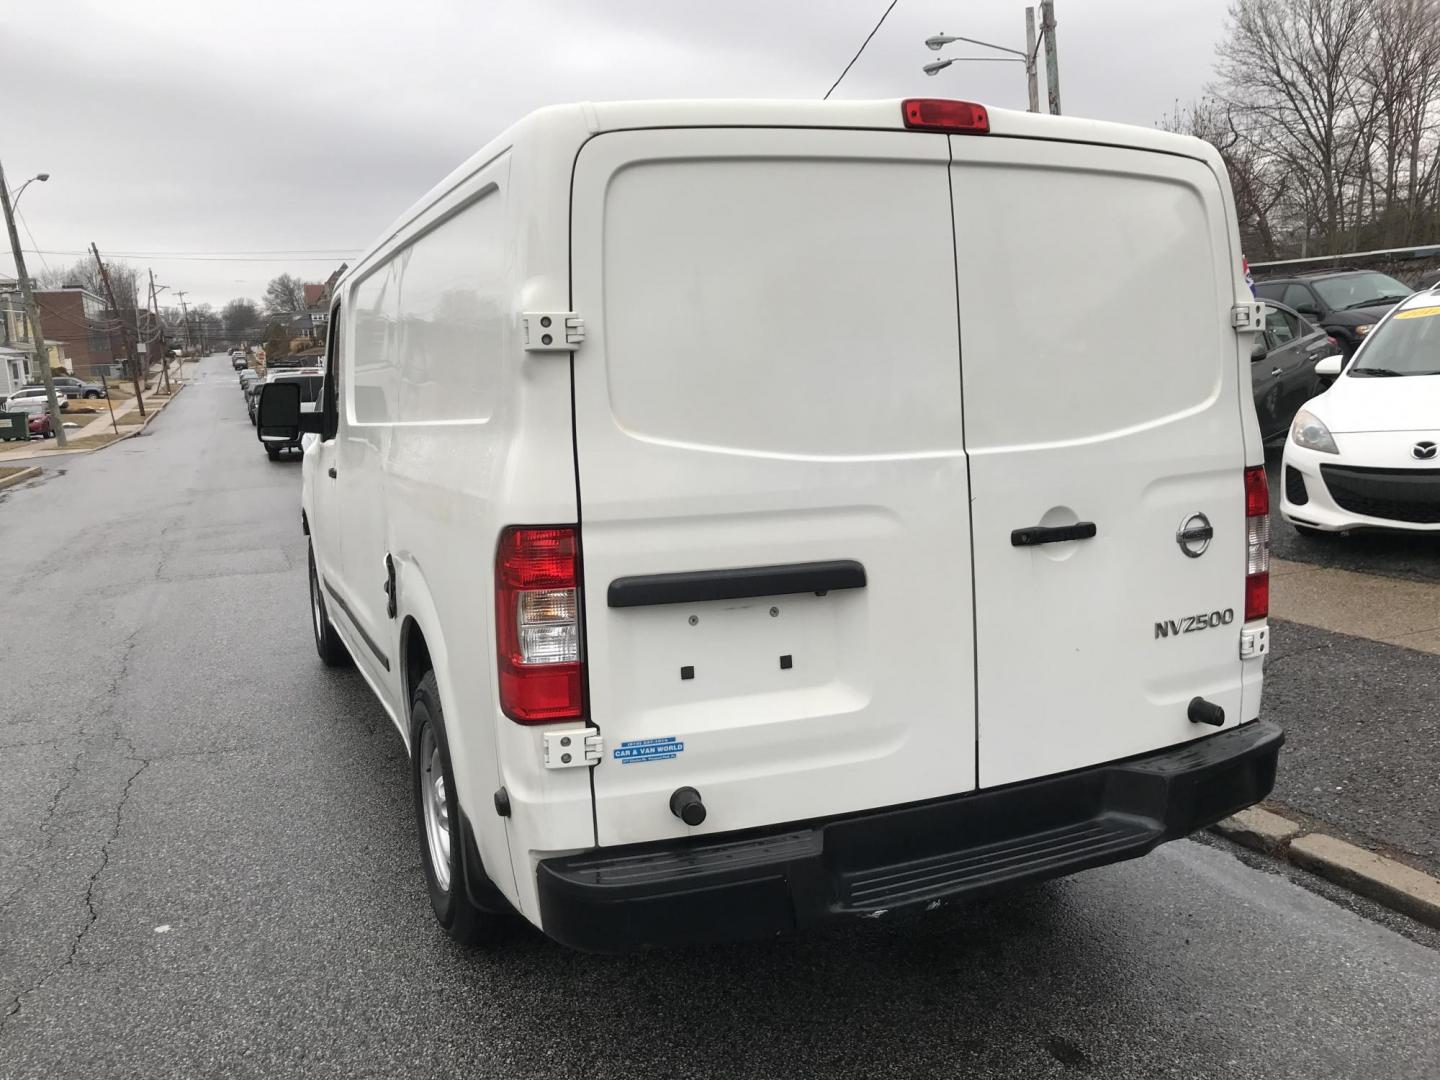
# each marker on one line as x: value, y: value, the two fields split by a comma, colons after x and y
x: 735, y: 584
x: 340, y: 603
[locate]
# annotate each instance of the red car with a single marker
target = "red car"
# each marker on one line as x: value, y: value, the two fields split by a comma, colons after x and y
x: 41, y: 426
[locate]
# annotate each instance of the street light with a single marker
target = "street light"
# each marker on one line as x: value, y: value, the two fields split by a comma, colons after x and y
x: 936, y: 42
x: 15, y: 198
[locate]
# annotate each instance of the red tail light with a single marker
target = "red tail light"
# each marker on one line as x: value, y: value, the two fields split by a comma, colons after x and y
x: 1257, y: 544
x: 941, y: 114
x: 537, y: 624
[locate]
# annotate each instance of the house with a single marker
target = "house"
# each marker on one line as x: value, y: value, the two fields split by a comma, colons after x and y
x: 81, y: 322
x: 17, y: 345
x: 317, y: 304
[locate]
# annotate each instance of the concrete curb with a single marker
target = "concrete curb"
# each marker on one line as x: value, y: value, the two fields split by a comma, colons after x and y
x: 1399, y: 887
x: 20, y: 477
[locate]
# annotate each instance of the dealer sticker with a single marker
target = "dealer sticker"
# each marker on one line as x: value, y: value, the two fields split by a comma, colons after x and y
x: 641, y: 750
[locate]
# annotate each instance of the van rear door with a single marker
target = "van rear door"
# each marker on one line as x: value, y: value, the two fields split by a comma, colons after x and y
x: 772, y: 481
x: 1102, y: 386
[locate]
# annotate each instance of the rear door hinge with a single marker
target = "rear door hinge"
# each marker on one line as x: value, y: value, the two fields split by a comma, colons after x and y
x: 573, y: 748
x: 1255, y: 643
x: 1248, y: 317
x: 553, y: 331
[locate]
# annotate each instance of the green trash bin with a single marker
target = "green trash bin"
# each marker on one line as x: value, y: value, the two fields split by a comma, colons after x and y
x: 14, y: 427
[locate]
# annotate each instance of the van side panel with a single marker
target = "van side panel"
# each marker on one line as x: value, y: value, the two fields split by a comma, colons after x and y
x: 770, y: 378
x: 450, y: 432
x: 1101, y: 386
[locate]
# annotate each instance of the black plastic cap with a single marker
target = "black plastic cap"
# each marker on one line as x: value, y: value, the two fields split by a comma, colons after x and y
x: 686, y: 805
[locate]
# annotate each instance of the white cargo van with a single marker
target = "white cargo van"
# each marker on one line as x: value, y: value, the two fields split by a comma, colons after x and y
x: 753, y: 513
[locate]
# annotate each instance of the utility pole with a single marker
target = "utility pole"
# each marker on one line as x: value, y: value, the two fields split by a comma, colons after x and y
x: 185, y: 313
x: 1030, y: 73
x: 42, y: 354
x: 124, y: 328
x: 1052, y: 64
x: 154, y: 307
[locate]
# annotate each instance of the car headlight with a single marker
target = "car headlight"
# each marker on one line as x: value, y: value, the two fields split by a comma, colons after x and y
x: 1363, y: 330
x: 1310, y: 432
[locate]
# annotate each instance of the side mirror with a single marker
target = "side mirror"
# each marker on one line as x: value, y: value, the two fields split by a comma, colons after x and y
x: 1329, y: 367
x: 1308, y: 309
x: 1259, y: 350
x: 279, y: 419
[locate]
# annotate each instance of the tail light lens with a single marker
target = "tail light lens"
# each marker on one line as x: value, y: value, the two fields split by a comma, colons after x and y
x: 537, y: 622
x: 1257, y: 544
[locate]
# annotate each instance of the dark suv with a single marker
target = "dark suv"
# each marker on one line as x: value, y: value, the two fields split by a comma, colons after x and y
x: 1346, y: 303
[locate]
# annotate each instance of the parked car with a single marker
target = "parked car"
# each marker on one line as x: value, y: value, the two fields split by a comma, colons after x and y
x: 1366, y: 453
x: 252, y: 397
x: 73, y: 387
x: 777, y: 709
x: 41, y: 426
x: 310, y: 381
x: 238, y: 361
x: 35, y: 393
x: 1346, y: 303
x: 248, y: 376
x: 1282, y: 367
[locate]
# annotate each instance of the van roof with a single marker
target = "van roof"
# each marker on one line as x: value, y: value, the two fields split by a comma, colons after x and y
x: 558, y: 124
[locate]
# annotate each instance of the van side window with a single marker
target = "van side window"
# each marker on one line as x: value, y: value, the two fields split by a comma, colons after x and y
x: 428, y: 328
x: 334, y: 362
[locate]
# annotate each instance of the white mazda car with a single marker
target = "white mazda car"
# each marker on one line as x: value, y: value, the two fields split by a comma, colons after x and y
x: 1365, y: 454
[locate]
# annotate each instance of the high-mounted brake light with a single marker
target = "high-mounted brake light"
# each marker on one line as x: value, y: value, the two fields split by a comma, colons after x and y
x: 1257, y: 544
x: 941, y: 114
x: 537, y: 624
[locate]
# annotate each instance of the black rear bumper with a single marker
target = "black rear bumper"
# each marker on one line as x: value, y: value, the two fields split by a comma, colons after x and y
x: 756, y: 884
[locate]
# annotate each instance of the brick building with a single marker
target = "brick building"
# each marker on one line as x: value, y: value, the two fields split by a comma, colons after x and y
x: 80, y: 320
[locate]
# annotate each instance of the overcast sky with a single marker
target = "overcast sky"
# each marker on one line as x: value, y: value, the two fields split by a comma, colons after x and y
x: 221, y: 129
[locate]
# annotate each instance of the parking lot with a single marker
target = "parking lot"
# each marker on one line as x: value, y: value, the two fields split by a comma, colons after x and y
x: 208, y: 864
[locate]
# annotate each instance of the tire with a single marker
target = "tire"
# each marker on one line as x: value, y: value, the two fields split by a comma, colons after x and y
x: 327, y: 642
x: 272, y: 453
x: 94, y: 395
x: 437, y: 819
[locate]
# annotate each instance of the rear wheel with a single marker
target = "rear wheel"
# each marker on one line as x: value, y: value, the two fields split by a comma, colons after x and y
x: 327, y: 642
x: 437, y: 815
x: 272, y: 453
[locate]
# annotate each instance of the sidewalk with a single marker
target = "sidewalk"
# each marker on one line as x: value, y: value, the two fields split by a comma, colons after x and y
x: 1353, y: 677
x: 125, y: 419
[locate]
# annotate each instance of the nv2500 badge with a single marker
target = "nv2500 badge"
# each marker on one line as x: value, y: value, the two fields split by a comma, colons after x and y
x: 1192, y: 623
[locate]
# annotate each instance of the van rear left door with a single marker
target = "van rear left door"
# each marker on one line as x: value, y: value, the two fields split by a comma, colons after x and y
x: 769, y: 380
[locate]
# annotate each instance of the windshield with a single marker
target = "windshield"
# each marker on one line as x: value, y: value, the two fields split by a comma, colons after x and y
x: 1360, y: 290
x: 1407, y: 344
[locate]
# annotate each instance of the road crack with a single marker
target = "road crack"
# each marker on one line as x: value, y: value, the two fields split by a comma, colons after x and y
x: 92, y: 912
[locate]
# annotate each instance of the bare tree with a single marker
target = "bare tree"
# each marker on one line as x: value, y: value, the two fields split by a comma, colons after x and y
x: 241, y: 318
x: 1293, y: 69
x: 285, y: 295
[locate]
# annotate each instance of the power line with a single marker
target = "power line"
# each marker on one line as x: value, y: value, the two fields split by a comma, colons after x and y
x: 861, y: 49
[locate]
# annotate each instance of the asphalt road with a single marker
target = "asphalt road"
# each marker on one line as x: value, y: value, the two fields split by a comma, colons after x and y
x: 208, y: 868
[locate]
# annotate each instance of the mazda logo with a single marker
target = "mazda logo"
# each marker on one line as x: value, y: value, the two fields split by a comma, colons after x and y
x: 1423, y: 451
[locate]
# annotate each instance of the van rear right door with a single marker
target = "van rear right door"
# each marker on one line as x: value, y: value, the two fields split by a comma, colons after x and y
x: 1102, y: 387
